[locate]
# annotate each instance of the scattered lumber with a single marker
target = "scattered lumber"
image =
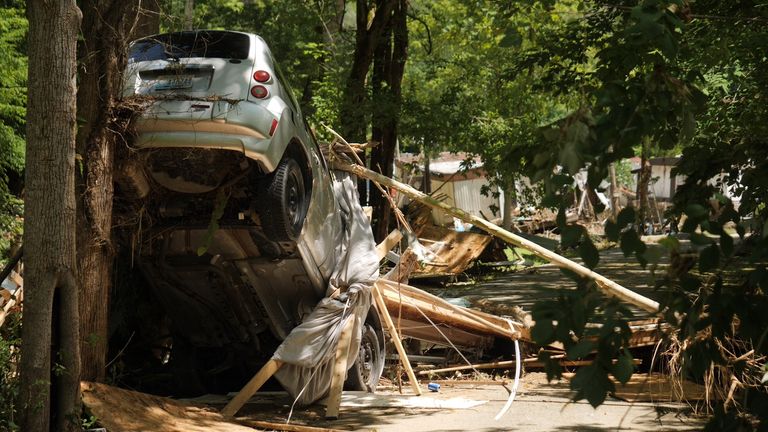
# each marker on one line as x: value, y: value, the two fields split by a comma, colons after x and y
x: 414, y: 304
x: 531, y: 362
x: 457, y: 250
x: 10, y: 303
x: 608, y: 286
x: 396, y: 340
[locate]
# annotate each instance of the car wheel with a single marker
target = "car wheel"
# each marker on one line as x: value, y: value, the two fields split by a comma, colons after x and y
x: 367, y: 368
x: 286, y: 204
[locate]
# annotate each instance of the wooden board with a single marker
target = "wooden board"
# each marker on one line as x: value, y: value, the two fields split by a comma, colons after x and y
x: 456, y: 251
x: 414, y: 303
x: 121, y: 410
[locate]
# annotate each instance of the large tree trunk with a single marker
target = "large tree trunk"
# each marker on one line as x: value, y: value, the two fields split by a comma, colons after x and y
x: 389, y: 66
x: 107, y: 28
x: 353, y: 108
x: 50, y: 301
x: 643, y: 181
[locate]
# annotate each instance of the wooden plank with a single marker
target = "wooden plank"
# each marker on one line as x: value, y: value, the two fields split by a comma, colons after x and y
x: 459, y: 251
x: 404, y: 268
x: 339, y: 370
x: 414, y: 302
x: 608, y: 286
x: 395, y: 338
x: 388, y: 243
x: 251, y: 387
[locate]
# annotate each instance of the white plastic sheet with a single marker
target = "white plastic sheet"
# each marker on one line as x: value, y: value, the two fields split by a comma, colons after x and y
x: 308, y: 351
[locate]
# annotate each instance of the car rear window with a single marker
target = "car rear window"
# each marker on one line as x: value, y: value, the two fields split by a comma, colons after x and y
x: 173, y: 46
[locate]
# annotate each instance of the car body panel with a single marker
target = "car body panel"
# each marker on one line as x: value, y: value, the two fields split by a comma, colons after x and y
x: 239, y: 282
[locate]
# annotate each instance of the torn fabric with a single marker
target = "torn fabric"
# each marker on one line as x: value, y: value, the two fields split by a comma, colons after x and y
x: 309, y: 350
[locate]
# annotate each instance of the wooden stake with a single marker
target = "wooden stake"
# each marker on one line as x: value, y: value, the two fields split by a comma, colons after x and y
x: 608, y: 286
x: 339, y: 370
x: 252, y: 387
x: 384, y: 313
x: 388, y: 243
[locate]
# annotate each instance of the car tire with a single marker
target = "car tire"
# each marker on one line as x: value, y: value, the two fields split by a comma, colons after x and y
x: 285, y: 206
x: 366, y: 370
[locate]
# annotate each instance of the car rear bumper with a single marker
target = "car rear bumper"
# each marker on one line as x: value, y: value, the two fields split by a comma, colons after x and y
x: 238, y: 126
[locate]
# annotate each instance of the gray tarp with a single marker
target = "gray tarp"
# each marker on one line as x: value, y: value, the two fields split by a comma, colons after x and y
x: 308, y: 351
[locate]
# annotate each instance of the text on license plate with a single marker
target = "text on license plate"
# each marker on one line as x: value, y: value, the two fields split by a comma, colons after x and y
x: 173, y: 82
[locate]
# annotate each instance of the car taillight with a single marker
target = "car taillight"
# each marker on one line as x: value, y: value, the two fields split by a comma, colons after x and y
x: 273, y: 127
x: 259, y: 91
x: 261, y: 76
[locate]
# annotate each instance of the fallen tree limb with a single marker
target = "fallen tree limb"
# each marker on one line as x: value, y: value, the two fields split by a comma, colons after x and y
x: 608, y: 286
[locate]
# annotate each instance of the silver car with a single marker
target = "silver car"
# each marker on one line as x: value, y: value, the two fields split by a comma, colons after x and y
x: 243, y: 216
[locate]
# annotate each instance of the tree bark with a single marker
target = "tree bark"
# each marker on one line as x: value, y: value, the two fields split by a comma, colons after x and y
x: 107, y: 29
x: 643, y: 181
x: 389, y: 65
x: 50, y: 396
x: 354, y: 110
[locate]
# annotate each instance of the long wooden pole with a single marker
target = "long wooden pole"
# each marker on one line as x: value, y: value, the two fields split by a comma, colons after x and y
x: 608, y: 286
x: 251, y: 387
x: 395, y: 338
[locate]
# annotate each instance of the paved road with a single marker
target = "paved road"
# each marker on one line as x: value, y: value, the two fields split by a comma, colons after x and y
x: 538, y: 407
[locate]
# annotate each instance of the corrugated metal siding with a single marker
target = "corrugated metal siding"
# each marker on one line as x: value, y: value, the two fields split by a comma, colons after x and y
x: 469, y: 198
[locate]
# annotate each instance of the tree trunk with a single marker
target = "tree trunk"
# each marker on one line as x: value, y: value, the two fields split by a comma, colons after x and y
x: 509, y: 207
x: 107, y: 25
x: 50, y: 319
x: 189, y: 14
x: 614, y: 192
x: 354, y: 110
x: 643, y: 181
x: 389, y: 66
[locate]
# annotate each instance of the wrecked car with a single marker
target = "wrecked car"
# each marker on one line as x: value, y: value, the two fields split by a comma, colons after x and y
x: 237, y: 205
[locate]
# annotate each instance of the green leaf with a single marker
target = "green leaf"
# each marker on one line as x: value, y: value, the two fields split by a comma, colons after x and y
x: 709, y: 258
x: 670, y: 243
x: 696, y: 211
x: 589, y: 253
x: 630, y: 242
x: 543, y: 332
x: 580, y: 350
x: 612, y: 230
x: 570, y: 235
x: 626, y: 217
x: 701, y: 239
x: 511, y: 39
x: 623, y: 368
x: 726, y: 244
x: 592, y: 382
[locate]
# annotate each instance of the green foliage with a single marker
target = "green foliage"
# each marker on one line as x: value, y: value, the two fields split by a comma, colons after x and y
x: 10, y: 343
x: 13, y: 100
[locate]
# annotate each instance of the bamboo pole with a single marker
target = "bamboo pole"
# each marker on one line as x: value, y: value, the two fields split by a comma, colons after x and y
x: 608, y: 286
x: 395, y: 338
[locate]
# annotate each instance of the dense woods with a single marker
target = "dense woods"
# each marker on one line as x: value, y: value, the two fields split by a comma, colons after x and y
x: 537, y: 89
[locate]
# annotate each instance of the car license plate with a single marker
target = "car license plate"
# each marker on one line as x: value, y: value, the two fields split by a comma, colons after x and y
x: 174, y: 82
